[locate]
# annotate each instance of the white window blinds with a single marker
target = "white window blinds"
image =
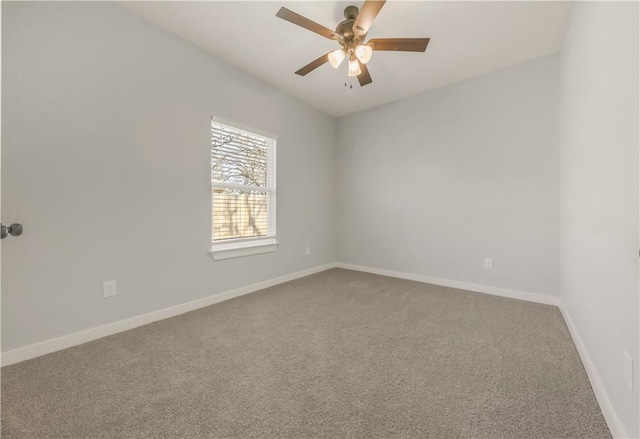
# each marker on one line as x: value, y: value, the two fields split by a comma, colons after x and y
x: 243, y: 183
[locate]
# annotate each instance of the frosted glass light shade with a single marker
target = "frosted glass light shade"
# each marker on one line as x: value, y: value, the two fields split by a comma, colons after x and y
x: 364, y: 53
x: 354, y: 68
x: 335, y: 58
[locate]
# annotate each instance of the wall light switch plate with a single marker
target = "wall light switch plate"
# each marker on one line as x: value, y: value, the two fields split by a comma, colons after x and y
x: 109, y: 288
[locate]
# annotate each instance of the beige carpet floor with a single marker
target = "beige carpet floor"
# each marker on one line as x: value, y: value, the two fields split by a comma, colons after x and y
x: 339, y: 354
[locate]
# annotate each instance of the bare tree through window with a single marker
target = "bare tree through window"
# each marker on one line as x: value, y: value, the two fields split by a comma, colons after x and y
x: 242, y: 187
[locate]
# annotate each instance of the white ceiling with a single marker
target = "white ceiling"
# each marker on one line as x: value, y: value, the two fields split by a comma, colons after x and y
x: 467, y: 39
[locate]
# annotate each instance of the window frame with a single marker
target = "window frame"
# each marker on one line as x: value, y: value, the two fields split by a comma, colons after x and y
x: 251, y: 245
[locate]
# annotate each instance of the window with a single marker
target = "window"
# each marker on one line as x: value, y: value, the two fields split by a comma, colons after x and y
x: 243, y: 192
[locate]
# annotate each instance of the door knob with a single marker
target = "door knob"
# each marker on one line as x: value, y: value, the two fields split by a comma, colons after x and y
x: 13, y: 230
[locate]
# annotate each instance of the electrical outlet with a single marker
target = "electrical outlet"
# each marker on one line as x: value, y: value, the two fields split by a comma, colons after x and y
x: 488, y: 263
x: 627, y: 371
x: 109, y: 288
x: 307, y: 251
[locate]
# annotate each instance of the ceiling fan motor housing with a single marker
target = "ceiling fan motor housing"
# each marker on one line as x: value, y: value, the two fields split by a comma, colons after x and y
x: 345, y: 29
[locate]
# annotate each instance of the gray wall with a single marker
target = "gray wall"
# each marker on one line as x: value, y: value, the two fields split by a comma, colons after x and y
x: 433, y: 184
x: 105, y: 161
x: 599, y: 191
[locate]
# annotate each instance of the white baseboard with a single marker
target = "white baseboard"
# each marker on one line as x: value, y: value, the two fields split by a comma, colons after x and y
x: 67, y: 341
x: 487, y: 289
x: 613, y: 422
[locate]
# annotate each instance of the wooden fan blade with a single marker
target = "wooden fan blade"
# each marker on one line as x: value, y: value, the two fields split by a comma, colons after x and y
x: 313, y: 65
x: 364, y: 78
x: 368, y: 13
x: 304, y: 22
x: 399, y: 44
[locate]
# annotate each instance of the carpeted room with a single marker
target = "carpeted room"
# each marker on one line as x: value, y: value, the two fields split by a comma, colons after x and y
x: 370, y: 312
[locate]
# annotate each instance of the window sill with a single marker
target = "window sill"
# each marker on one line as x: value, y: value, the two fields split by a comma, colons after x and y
x: 237, y: 249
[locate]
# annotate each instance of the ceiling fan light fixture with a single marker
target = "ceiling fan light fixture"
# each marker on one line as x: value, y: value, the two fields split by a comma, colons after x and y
x: 354, y: 67
x: 336, y: 57
x: 364, y: 53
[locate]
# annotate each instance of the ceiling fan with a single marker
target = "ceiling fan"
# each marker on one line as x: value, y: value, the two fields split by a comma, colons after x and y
x: 350, y: 34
